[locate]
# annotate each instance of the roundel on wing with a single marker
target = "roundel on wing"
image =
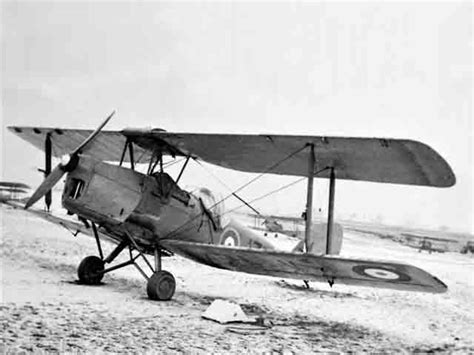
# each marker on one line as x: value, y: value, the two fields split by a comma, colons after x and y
x: 230, y: 237
x: 381, y: 273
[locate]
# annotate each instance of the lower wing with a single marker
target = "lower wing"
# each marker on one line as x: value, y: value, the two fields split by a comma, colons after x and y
x: 73, y: 227
x: 310, y: 267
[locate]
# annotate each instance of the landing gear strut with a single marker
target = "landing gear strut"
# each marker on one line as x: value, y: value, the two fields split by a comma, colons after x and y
x: 160, y: 286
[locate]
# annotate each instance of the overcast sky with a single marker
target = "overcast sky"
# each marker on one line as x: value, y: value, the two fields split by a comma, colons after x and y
x: 397, y: 70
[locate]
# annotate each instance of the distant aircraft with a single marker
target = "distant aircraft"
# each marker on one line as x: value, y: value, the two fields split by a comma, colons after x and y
x: 272, y: 225
x: 150, y: 214
x: 274, y: 229
x: 468, y: 247
x: 10, y: 191
x: 430, y: 244
x: 410, y: 237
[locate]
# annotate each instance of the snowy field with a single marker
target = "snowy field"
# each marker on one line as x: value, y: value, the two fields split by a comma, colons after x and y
x: 44, y: 309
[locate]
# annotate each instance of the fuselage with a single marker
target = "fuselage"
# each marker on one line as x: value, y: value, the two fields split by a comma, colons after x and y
x: 149, y: 207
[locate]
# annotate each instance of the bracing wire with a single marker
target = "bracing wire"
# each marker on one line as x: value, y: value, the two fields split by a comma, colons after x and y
x: 240, y: 188
x: 233, y: 193
x: 173, y: 162
x: 165, y: 165
x: 144, y: 153
x: 263, y: 196
x: 248, y: 183
x: 271, y: 192
x: 271, y: 168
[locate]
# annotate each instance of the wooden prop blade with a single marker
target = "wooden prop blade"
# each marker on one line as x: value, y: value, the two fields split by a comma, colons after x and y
x: 46, y: 185
x: 62, y: 168
x: 93, y: 135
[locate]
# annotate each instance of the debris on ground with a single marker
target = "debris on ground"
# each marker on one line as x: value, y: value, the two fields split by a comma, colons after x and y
x: 226, y: 312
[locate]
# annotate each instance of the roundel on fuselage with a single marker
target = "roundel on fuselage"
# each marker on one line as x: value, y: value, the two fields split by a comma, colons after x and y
x: 230, y: 237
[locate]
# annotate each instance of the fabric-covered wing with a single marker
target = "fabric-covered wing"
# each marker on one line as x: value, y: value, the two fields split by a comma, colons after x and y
x: 71, y: 226
x: 18, y: 185
x: 278, y: 218
x: 310, y: 267
x: 368, y: 159
x: 434, y: 238
x: 107, y: 146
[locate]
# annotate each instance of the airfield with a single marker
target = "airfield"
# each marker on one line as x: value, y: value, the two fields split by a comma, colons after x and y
x: 44, y: 309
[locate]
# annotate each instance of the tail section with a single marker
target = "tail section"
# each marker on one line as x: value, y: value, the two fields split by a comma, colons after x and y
x: 319, y: 240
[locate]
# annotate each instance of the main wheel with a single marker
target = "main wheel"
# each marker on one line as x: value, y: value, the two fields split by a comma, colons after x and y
x: 89, y: 270
x: 161, y: 286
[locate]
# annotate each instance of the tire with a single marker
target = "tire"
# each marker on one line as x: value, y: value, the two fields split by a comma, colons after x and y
x: 161, y: 286
x: 89, y: 270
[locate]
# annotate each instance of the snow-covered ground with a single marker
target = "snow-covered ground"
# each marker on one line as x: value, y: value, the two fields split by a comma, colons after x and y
x: 43, y: 308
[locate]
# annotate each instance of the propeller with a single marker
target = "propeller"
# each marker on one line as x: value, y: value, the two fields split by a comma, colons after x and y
x: 68, y: 163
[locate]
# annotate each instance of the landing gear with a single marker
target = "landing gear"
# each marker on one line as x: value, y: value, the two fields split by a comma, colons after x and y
x: 161, y: 286
x: 90, y: 270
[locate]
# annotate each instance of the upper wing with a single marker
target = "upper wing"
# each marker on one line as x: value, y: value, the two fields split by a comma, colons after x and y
x: 311, y: 267
x: 107, y: 146
x: 368, y: 159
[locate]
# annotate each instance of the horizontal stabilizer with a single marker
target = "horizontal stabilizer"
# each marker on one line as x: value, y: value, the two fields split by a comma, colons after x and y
x: 310, y: 267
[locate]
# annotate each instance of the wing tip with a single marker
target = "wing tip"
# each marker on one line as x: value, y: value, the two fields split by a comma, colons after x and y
x: 444, y: 174
x: 440, y: 287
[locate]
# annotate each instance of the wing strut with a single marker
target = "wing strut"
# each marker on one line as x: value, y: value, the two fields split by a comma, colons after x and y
x: 332, y: 190
x: 48, y: 150
x: 128, y: 145
x: 309, y: 199
x: 47, y: 167
x: 182, y: 169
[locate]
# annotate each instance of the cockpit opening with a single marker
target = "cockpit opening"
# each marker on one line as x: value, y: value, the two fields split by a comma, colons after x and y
x: 167, y: 187
x: 213, y: 203
x: 77, y: 186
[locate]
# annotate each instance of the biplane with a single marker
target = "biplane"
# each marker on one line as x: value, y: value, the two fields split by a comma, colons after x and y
x: 148, y: 213
x: 468, y: 247
x: 430, y: 244
x: 10, y: 191
x: 277, y: 228
x: 411, y: 239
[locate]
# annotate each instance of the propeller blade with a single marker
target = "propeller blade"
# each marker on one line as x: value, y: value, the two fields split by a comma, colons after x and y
x: 46, y: 185
x: 64, y: 167
x: 93, y: 135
